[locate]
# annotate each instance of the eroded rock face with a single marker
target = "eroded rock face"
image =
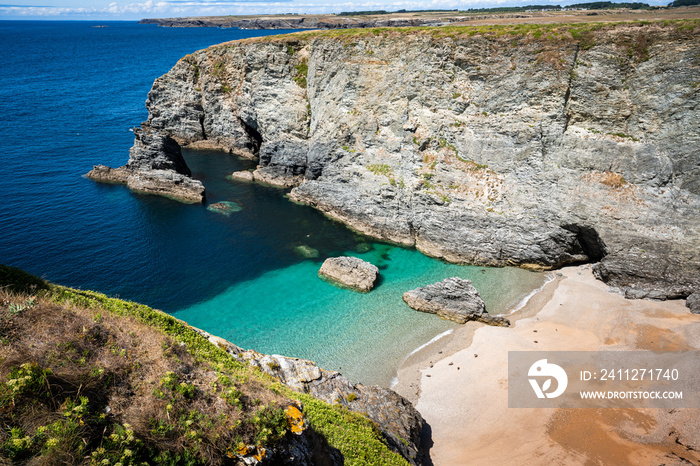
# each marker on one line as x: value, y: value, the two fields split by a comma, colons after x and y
x: 452, y: 299
x: 693, y: 303
x: 493, y: 150
x: 397, y: 419
x: 155, y: 166
x: 350, y: 272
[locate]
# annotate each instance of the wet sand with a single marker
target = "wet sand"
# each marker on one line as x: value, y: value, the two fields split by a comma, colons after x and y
x: 459, y: 385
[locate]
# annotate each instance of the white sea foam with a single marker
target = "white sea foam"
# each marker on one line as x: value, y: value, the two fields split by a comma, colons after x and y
x: 523, y: 302
x: 395, y: 379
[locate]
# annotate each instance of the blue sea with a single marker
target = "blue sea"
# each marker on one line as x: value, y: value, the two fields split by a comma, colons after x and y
x: 70, y: 94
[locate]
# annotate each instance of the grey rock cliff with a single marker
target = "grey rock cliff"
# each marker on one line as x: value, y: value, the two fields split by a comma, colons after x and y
x: 452, y: 299
x: 155, y: 166
x: 479, y: 148
x: 350, y: 272
x: 396, y: 418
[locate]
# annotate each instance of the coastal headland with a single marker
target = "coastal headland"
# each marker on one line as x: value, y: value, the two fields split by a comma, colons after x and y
x: 534, y: 145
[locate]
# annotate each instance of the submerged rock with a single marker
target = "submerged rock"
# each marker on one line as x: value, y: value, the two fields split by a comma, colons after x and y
x: 452, y: 299
x: 363, y: 248
x: 693, y: 303
x: 306, y: 252
x: 225, y: 207
x: 155, y: 166
x: 350, y: 272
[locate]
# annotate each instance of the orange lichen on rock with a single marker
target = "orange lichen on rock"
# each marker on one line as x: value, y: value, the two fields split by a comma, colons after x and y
x: 295, y: 418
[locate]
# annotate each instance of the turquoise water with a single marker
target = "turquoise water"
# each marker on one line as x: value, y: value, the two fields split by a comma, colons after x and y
x: 291, y: 311
x: 70, y: 94
x: 288, y: 310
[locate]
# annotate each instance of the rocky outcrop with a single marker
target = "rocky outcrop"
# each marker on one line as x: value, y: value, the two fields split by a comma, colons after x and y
x: 155, y: 166
x: 693, y: 302
x: 243, y: 175
x: 452, y: 299
x: 105, y: 174
x: 652, y: 270
x: 495, y: 148
x: 396, y: 418
x: 350, y: 272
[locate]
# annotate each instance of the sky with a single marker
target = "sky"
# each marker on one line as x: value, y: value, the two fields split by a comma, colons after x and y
x: 135, y: 10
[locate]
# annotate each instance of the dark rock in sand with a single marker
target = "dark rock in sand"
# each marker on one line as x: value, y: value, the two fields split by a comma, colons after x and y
x: 452, y: 299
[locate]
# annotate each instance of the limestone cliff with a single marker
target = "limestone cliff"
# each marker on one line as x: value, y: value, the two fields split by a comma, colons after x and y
x: 531, y: 145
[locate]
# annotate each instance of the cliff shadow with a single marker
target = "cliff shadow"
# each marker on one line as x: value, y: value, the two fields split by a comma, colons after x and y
x: 426, y: 441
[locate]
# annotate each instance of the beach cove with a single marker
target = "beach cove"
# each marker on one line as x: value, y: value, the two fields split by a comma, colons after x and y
x: 459, y: 383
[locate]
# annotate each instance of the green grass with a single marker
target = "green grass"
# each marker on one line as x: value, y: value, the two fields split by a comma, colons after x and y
x: 380, y: 169
x: 582, y: 33
x: 357, y: 437
x: 302, y: 73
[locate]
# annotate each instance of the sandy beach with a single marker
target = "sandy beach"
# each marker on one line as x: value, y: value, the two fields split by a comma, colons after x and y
x: 459, y: 383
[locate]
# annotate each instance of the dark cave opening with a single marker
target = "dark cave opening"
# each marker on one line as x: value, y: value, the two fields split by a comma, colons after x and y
x: 589, y: 240
x: 255, y: 139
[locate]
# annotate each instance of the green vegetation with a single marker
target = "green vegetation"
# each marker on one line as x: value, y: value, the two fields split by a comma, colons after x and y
x: 218, y: 70
x: 363, y: 13
x: 624, y: 136
x: 514, y: 9
x: 117, y: 382
x: 556, y: 33
x: 380, y: 169
x: 678, y: 3
x: 609, y: 6
x: 302, y: 73
x: 190, y: 60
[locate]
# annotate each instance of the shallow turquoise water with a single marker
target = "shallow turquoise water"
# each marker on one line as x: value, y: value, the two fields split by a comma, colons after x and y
x: 291, y: 311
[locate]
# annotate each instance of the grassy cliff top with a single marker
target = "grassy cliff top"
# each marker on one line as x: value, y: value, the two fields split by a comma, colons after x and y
x: 553, y: 32
x: 89, y: 379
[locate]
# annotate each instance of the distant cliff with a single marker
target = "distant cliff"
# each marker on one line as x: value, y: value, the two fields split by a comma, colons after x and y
x: 530, y: 145
x: 307, y: 21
